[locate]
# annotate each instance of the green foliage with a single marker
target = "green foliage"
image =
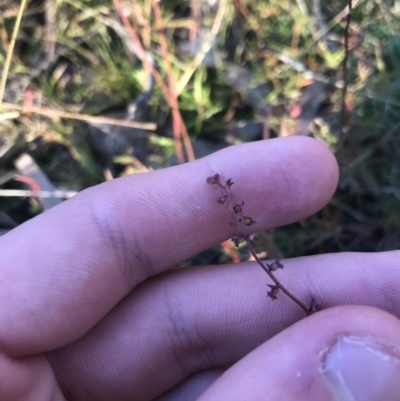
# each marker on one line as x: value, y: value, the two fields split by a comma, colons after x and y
x: 263, y: 58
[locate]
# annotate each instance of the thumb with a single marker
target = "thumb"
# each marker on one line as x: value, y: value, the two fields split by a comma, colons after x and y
x: 348, y: 353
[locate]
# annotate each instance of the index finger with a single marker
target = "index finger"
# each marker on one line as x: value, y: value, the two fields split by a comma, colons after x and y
x: 61, y: 272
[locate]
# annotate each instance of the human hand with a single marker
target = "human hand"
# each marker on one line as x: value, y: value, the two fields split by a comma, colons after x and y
x: 88, y: 311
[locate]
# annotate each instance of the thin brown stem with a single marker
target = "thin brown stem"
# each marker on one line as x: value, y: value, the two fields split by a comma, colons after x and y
x: 179, y: 127
x: 242, y: 236
x: 345, y: 68
x: 276, y: 281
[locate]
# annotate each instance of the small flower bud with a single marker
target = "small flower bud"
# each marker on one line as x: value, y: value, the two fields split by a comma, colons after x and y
x: 248, y: 221
x: 237, y: 240
x: 274, y: 291
x: 314, y: 307
x: 238, y: 208
x: 214, y: 179
x: 222, y: 199
x: 275, y: 265
x: 229, y: 183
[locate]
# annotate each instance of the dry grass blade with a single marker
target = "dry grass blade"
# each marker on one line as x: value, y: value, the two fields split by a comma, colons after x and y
x: 9, y: 116
x: 206, y: 47
x: 345, y: 66
x: 26, y: 193
x: 11, y: 50
x: 342, y: 14
x: 82, y: 117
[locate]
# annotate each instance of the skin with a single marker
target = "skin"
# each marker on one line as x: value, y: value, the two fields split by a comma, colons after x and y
x: 90, y: 310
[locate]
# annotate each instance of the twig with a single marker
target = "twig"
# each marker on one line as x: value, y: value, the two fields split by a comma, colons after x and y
x: 82, y: 117
x: 11, y: 50
x: 339, y: 17
x: 149, y: 67
x: 345, y: 62
x: 179, y: 127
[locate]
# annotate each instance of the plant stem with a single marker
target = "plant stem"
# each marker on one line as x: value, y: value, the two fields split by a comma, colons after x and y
x: 176, y: 115
x: 276, y: 281
x: 344, y: 73
x: 242, y: 236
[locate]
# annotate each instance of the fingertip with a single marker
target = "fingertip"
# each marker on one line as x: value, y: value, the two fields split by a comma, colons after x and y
x: 343, y: 353
x: 282, y: 179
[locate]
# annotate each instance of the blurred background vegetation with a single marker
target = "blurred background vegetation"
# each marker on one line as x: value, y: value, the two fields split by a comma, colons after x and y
x: 230, y: 71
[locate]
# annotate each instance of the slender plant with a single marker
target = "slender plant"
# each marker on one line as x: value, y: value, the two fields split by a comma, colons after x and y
x: 343, y: 108
x: 241, y: 222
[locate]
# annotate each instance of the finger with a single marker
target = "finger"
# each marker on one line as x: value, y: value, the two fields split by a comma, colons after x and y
x: 179, y: 323
x: 349, y: 353
x: 27, y: 379
x: 191, y: 388
x: 64, y: 270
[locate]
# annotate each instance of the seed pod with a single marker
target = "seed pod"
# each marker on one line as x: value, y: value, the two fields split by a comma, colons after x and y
x: 275, y: 265
x: 314, y: 307
x: 229, y: 183
x: 238, y: 208
x: 222, y: 199
x: 214, y: 179
x: 248, y: 221
x: 274, y: 291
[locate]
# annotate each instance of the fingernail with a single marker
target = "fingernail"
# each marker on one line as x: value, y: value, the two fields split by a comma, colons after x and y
x: 361, y: 370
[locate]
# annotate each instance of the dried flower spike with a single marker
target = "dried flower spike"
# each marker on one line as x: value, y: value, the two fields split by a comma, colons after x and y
x: 242, y: 236
x: 274, y: 291
x: 275, y: 265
